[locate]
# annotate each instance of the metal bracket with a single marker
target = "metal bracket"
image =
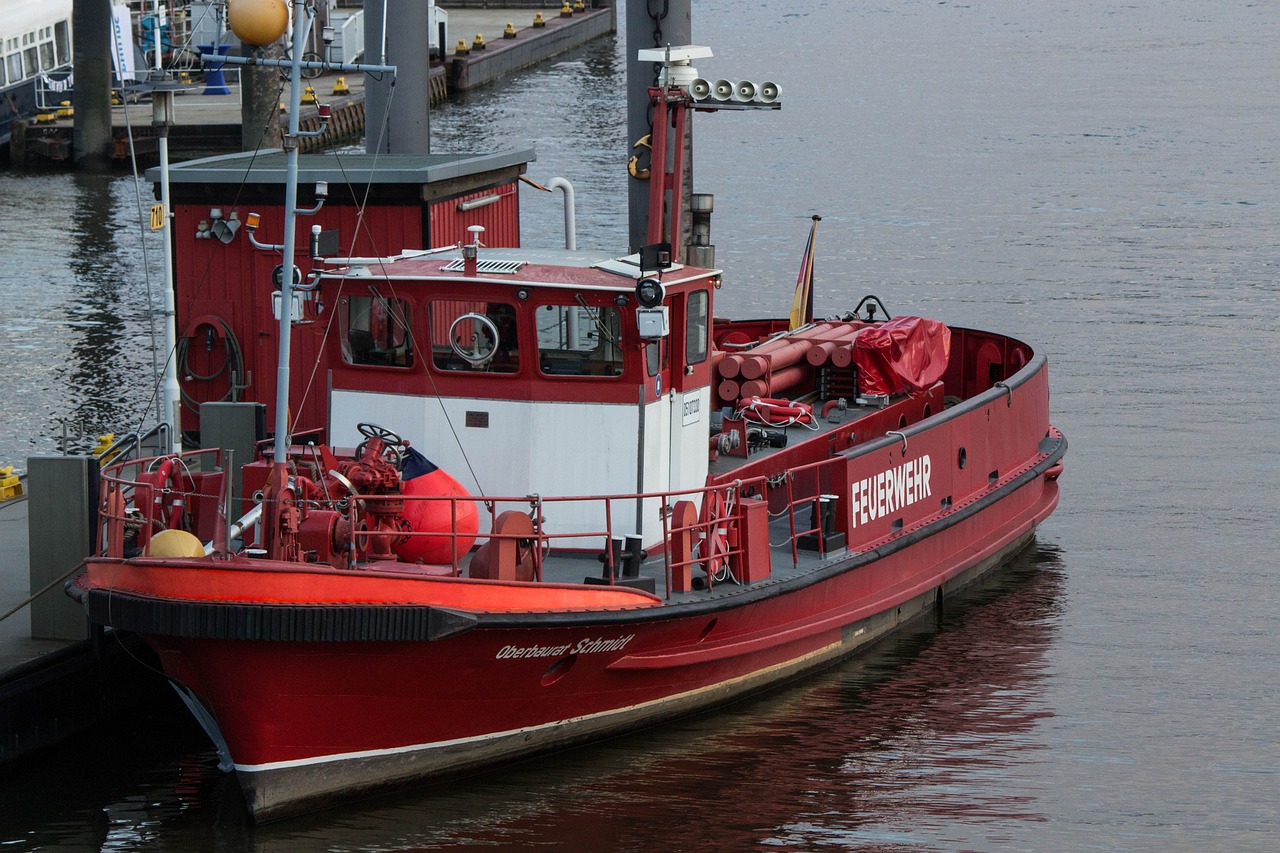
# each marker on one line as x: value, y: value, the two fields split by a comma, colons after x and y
x: 901, y: 435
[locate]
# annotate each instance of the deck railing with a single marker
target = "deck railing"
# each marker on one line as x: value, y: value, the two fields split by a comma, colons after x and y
x: 150, y: 495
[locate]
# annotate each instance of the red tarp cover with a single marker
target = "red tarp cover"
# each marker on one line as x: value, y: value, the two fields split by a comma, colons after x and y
x: 903, y: 354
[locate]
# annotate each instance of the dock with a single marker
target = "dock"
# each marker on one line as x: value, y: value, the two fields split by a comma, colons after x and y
x: 207, y: 124
x: 54, y: 689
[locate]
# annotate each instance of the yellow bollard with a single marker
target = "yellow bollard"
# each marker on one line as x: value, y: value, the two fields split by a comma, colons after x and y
x: 340, y: 86
x: 10, y: 484
x: 510, y: 31
x: 538, y: 20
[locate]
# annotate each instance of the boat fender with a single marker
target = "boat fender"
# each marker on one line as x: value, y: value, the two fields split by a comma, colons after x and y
x: 174, y: 543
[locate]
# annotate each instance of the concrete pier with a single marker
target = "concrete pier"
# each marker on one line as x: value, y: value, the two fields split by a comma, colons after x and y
x: 208, y: 125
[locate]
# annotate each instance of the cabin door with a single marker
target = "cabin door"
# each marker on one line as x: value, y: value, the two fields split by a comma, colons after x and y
x: 690, y: 395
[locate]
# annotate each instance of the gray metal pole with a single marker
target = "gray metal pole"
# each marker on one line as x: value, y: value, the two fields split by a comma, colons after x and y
x: 91, y: 96
x: 281, y: 448
x: 647, y: 26
x: 260, y: 93
x: 405, y: 29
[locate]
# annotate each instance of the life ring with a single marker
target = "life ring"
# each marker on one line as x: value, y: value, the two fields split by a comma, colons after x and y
x: 775, y: 412
x: 482, y: 346
x: 714, y: 547
x: 168, y: 501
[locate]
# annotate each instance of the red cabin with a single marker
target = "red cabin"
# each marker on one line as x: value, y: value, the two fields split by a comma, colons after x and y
x: 227, y: 306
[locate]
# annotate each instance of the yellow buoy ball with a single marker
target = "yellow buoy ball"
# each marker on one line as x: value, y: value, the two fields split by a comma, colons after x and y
x: 258, y: 22
x: 175, y: 543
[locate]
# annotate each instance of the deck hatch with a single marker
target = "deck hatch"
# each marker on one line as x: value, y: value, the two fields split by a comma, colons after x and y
x: 489, y: 266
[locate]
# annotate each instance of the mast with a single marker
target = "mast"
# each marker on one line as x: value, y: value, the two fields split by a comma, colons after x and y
x: 300, y: 24
x: 161, y: 118
x: 249, y: 24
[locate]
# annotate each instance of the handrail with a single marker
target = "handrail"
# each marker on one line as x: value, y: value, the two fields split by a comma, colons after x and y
x: 122, y: 477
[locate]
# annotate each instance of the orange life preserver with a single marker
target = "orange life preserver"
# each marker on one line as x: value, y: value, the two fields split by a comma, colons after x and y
x: 715, y: 546
x: 168, y: 502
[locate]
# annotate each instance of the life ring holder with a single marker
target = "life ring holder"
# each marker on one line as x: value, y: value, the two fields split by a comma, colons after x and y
x: 476, y: 357
x: 714, y: 547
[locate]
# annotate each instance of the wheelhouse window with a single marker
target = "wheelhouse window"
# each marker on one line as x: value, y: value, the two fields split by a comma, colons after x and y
x: 376, y: 331
x: 695, y: 328
x: 62, y: 40
x: 476, y: 336
x: 579, y: 340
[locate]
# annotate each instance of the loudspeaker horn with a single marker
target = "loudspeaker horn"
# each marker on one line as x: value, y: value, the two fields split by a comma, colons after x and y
x: 769, y: 92
x: 723, y: 90
x: 700, y: 89
x: 744, y: 90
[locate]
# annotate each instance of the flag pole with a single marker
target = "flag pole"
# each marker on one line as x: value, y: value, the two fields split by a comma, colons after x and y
x: 802, y: 303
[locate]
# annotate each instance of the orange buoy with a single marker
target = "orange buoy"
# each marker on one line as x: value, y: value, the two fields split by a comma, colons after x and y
x: 257, y: 22
x: 424, y: 479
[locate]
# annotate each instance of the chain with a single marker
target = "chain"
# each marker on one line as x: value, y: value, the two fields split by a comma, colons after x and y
x: 657, y: 18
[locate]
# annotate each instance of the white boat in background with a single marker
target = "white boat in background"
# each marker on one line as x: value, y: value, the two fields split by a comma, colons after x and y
x: 35, y: 58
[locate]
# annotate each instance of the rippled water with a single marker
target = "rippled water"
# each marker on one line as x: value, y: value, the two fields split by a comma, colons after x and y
x: 1098, y: 179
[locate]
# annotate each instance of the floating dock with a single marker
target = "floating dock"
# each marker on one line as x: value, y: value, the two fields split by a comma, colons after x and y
x: 209, y: 124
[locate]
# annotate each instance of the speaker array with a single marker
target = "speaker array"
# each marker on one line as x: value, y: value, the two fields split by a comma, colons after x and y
x: 742, y: 91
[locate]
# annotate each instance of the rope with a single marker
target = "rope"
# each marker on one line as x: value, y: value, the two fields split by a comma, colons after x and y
x: 77, y: 567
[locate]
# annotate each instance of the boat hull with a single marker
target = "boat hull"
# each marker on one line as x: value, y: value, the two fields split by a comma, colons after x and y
x: 309, y: 723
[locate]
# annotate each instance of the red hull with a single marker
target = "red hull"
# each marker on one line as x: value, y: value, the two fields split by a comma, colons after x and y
x: 306, y: 723
x: 542, y: 666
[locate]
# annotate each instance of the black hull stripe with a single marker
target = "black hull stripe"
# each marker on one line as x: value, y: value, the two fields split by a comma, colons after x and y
x: 274, y: 622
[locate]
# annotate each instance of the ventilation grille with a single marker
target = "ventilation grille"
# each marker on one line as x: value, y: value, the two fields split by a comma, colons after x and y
x: 486, y: 266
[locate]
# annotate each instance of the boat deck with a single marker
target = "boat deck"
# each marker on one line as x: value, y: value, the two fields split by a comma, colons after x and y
x: 786, y: 561
x: 576, y: 568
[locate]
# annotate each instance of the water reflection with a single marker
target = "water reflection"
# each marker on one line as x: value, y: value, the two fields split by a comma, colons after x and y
x: 925, y: 732
x: 95, y: 307
x: 573, y: 113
